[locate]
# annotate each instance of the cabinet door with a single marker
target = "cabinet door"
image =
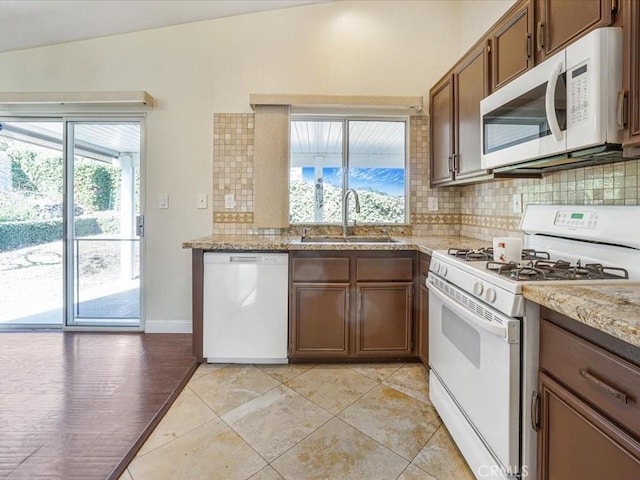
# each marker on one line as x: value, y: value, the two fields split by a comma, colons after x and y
x: 512, y: 45
x: 384, y: 316
x: 470, y: 86
x: 559, y: 22
x: 319, y: 320
x: 441, y: 130
x: 575, y: 441
x: 631, y: 62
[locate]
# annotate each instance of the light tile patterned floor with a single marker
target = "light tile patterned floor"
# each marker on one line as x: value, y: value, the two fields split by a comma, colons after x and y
x: 302, y: 422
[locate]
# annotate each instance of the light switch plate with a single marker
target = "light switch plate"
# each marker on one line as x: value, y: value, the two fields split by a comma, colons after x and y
x: 163, y: 200
x: 433, y: 204
x: 202, y: 200
x: 517, y: 203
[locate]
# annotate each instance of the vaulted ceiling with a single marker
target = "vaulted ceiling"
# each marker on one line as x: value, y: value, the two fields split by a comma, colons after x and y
x: 35, y: 23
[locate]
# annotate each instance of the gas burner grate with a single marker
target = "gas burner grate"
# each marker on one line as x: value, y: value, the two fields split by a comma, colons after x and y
x: 557, y: 270
x: 486, y: 253
x: 531, y: 254
x: 469, y: 254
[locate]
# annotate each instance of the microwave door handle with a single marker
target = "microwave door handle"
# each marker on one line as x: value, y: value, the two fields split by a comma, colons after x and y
x: 466, y: 315
x: 550, y: 103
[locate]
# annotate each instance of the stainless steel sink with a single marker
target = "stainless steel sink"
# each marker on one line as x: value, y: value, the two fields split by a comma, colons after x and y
x: 351, y: 239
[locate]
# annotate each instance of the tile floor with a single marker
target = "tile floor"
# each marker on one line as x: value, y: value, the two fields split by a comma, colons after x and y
x: 298, y: 422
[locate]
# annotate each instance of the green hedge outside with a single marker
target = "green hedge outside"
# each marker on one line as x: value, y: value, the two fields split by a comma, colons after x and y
x: 15, y: 235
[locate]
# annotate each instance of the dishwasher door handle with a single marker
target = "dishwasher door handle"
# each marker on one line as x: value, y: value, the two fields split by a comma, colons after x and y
x: 243, y: 259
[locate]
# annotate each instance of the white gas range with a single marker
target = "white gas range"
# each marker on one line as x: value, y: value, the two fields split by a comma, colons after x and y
x: 483, y: 335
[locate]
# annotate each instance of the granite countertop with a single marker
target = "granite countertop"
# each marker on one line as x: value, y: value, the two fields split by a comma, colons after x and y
x: 424, y: 244
x: 613, y: 308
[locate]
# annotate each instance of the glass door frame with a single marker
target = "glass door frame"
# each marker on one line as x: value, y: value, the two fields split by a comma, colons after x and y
x: 107, y: 117
x: 70, y: 322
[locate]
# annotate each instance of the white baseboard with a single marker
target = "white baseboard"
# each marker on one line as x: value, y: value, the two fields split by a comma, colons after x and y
x: 167, y: 326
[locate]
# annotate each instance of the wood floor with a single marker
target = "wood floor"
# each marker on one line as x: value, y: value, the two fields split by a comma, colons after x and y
x: 78, y: 405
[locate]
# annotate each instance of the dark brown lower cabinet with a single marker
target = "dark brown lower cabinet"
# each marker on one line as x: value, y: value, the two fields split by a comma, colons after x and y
x: 384, y: 318
x: 588, y: 403
x: 577, y: 442
x: 351, y: 305
x: 321, y: 320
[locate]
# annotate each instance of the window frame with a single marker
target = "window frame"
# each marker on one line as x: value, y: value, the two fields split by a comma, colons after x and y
x: 345, y: 119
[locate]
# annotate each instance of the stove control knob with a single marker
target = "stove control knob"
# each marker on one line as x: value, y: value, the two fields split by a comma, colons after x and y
x: 477, y: 288
x: 435, y: 267
x: 443, y: 270
x: 490, y: 295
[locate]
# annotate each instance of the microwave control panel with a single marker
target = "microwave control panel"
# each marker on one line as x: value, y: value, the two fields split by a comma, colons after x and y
x: 572, y: 219
x: 579, y: 94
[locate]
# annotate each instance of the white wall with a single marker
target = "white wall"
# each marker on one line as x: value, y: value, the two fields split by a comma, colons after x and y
x: 477, y: 17
x: 194, y: 70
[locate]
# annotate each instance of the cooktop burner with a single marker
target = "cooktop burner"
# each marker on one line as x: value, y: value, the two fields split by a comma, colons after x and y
x: 470, y: 255
x: 556, y: 270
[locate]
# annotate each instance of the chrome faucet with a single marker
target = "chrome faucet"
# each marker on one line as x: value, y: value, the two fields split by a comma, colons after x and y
x: 345, y: 209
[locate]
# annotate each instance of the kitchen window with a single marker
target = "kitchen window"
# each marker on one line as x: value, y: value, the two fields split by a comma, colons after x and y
x: 330, y: 155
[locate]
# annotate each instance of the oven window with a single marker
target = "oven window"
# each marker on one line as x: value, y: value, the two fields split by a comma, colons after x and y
x: 462, y: 335
x: 523, y: 119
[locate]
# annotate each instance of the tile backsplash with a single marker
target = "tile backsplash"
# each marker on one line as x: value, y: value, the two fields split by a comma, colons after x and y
x: 233, y: 172
x: 486, y: 208
x: 445, y: 221
x: 480, y: 210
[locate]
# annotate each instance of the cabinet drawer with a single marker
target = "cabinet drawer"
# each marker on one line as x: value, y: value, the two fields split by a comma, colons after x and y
x: 384, y: 269
x: 326, y: 269
x: 606, y: 381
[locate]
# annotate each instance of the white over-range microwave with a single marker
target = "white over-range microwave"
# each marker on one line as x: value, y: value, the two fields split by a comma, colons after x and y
x: 565, y: 110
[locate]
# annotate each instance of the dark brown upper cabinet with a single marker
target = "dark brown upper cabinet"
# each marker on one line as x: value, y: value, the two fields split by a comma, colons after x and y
x: 441, y: 131
x: 631, y: 78
x: 560, y: 22
x: 470, y: 85
x: 511, y: 42
x: 454, y: 110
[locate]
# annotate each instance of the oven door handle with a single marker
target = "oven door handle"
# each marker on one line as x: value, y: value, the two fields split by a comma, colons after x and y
x: 470, y: 317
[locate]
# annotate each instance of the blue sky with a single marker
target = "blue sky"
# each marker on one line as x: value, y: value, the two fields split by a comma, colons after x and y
x: 386, y: 180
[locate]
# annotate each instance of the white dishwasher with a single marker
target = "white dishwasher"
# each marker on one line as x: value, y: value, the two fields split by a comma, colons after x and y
x: 245, y: 307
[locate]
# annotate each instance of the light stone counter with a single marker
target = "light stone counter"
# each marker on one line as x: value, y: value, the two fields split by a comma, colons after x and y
x: 425, y: 244
x: 613, y: 308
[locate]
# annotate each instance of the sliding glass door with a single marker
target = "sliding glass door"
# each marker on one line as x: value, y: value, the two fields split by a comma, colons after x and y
x: 103, y: 246
x: 31, y: 224
x: 69, y: 213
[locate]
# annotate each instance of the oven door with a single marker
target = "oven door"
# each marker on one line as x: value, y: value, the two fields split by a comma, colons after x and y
x: 474, y: 354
